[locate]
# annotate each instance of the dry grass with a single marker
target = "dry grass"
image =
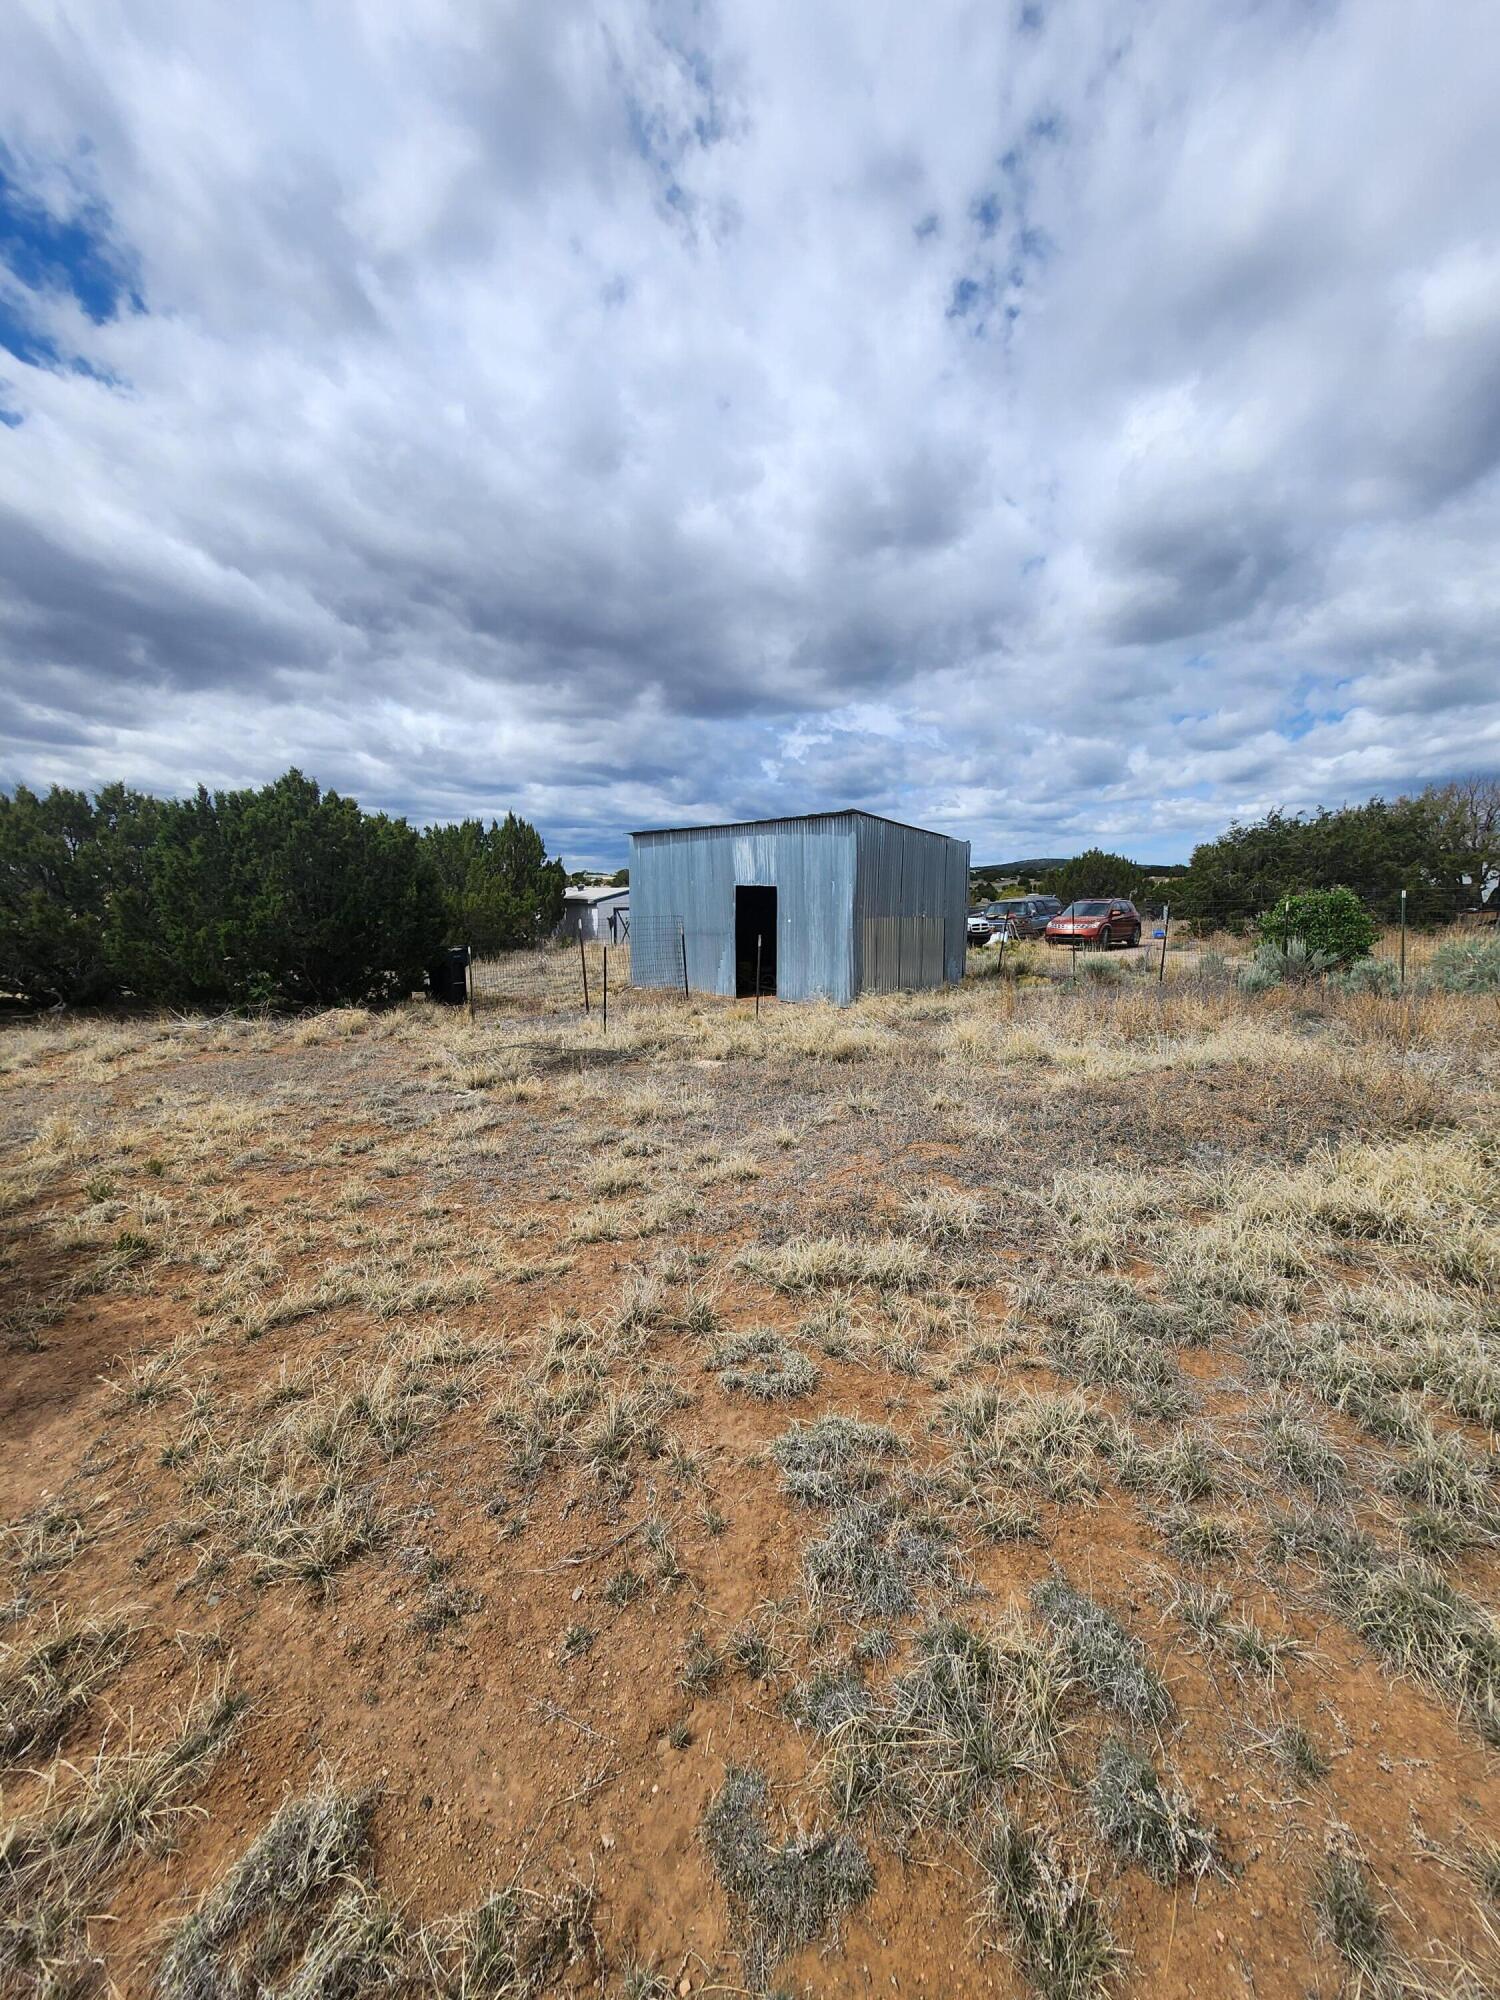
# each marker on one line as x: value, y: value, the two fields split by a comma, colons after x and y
x: 49, y: 1677
x: 781, y: 1896
x: 898, y: 1399
x: 55, y: 1858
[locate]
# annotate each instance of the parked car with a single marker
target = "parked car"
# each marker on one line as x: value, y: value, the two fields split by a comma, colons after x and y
x: 1102, y: 921
x: 981, y: 927
x: 1023, y: 916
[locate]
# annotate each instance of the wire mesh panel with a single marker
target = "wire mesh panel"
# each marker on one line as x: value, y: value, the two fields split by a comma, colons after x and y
x: 655, y: 955
x: 545, y: 979
x: 567, y: 976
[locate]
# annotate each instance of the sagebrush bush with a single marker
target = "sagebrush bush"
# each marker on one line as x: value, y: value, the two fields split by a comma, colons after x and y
x: 1369, y: 975
x: 1463, y: 967
x: 1293, y: 963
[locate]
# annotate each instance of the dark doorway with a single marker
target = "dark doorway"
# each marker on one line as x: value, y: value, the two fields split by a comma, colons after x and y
x: 754, y: 917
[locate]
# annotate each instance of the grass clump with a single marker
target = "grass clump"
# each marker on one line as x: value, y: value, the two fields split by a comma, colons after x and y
x: 833, y: 1458
x: 1034, y: 1891
x: 1297, y: 1753
x: 1202, y: 1538
x: 515, y: 1945
x: 702, y: 1667
x: 1293, y: 1449
x: 811, y: 1263
x: 1102, y: 1654
x: 1142, y: 1821
x: 47, y: 1680
x: 1410, y: 1614
x: 1205, y: 1612
x: 945, y: 1214
x: 1026, y: 1437
x: 313, y: 1842
x: 1442, y: 1476
x: 297, y: 1916
x: 826, y: 1701
x: 973, y: 1710
x: 781, y: 1897
x: 1185, y: 1468
x: 875, y: 1555
x: 764, y: 1366
x: 54, y: 1860
x: 1352, y: 1921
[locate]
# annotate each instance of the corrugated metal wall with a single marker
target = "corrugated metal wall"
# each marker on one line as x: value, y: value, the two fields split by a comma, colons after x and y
x: 692, y: 872
x: 862, y: 905
x: 911, y: 905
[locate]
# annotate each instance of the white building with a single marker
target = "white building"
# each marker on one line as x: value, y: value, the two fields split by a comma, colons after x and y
x: 596, y: 913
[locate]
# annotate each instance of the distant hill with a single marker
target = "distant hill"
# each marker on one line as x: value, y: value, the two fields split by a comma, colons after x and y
x: 995, y: 871
x: 1002, y: 868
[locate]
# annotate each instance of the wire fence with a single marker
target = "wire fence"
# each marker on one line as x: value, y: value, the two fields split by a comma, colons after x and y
x: 583, y: 976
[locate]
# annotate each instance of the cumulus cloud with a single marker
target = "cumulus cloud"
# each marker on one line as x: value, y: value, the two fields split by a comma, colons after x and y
x: 1050, y: 423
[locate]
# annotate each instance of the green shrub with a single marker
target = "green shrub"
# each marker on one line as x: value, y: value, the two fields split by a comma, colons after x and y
x: 285, y: 896
x: 499, y: 890
x: 290, y: 896
x: 1464, y: 966
x: 1333, y: 922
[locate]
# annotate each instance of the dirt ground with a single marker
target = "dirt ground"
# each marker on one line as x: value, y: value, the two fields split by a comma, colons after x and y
x: 985, y: 1492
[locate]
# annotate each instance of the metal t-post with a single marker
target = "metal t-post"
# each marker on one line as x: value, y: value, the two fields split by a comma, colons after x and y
x: 583, y: 961
x: 606, y: 989
x: 1166, y: 925
x: 757, y: 975
x: 1403, y: 937
x: 682, y: 938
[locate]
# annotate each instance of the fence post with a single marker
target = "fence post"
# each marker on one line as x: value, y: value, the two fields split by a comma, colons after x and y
x: 469, y: 982
x: 606, y: 989
x: 1403, y: 938
x: 584, y: 962
x: 1004, y: 935
x: 682, y: 939
x: 757, y: 975
x: 1166, y: 925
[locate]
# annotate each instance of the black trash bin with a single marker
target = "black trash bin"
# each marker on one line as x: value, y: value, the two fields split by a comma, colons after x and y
x: 448, y: 976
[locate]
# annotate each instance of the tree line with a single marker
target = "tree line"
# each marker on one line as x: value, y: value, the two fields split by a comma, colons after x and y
x: 285, y: 896
x: 1441, y: 845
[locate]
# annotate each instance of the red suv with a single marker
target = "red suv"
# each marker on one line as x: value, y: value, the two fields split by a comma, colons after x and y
x: 1101, y: 923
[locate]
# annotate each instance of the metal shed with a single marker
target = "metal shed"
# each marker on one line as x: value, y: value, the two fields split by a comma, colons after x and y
x: 602, y: 912
x: 841, y: 903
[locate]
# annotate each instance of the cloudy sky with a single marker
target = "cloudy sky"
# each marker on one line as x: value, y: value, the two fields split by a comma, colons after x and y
x: 1049, y: 420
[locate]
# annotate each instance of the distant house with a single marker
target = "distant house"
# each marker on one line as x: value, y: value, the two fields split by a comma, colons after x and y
x: 596, y: 913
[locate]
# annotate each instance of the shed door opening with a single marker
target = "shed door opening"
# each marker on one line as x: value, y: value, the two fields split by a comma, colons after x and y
x: 754, y: 917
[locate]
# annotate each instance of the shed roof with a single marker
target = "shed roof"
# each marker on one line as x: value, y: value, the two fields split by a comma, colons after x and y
x: 789, y: 819
x: 597, y: 893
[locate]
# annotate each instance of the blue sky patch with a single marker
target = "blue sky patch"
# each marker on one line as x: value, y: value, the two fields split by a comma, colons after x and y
x: 986, y: 211
x: 44, y: 254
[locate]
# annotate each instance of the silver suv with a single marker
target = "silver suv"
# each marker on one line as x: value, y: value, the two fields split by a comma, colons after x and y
x: 1023, y: 916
